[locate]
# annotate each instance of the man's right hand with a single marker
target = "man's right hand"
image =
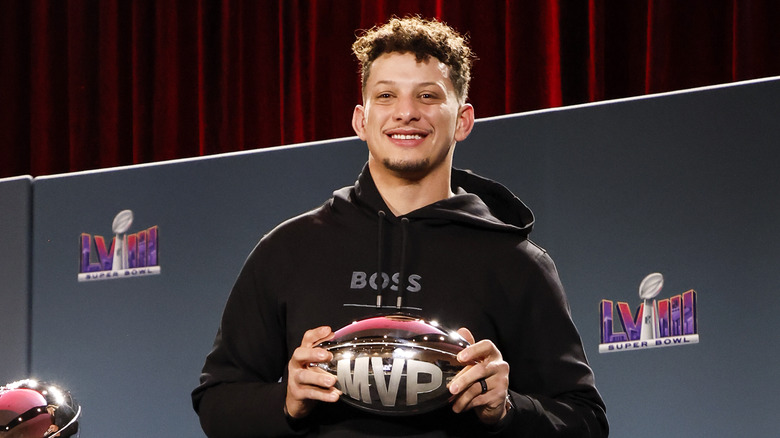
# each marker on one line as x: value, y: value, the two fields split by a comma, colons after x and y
x: 307, y: 385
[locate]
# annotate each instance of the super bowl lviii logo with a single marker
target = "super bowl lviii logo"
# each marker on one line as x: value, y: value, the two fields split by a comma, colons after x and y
x: 662, y: 323
x: 128, y: 255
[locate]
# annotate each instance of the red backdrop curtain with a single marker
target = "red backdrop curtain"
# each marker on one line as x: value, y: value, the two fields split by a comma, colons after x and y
x: 93, y: 84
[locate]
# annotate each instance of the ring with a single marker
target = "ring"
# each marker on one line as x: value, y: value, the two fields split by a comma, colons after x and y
x: 483, y: 383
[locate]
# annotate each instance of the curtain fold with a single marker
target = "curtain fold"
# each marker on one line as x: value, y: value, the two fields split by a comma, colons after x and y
x: 93, y: 84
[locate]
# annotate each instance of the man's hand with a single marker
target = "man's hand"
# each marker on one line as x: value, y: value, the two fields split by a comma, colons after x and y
x: 484, y: 363
x: 306, y: 385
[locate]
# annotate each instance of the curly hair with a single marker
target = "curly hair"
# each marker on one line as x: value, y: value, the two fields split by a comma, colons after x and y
x: 423, y: 38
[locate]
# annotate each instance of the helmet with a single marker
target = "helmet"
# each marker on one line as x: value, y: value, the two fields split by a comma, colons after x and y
x: 33, y: 409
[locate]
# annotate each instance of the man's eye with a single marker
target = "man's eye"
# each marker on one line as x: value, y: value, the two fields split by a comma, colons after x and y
x: 384, y: 95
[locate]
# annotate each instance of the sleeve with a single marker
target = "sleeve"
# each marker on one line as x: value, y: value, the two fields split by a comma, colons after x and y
x: 242, y: 386
x: 552, y: 387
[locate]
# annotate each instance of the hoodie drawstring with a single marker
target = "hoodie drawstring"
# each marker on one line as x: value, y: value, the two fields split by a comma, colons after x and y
x: 402, y: 280
x: 399, y: 300
x: 380, y: 244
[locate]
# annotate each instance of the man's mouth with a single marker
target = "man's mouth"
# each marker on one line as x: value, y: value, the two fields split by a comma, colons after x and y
x: 406, y: 136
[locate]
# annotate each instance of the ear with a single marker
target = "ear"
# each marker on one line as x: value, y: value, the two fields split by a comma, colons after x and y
x: 465, y: 122
x: 359, y: 121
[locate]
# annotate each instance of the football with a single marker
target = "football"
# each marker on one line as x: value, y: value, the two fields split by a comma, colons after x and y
x: 394, y: 364
x: 651, y: 286
x: 122, y: 221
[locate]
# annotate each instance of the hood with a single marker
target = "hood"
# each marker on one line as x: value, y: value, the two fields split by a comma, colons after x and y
x: 478, y: 202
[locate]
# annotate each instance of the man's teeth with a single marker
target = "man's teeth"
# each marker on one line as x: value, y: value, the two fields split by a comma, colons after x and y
x: 407, y: 136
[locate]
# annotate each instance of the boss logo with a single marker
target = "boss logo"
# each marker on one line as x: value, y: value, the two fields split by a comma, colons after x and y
x: 361, y: 280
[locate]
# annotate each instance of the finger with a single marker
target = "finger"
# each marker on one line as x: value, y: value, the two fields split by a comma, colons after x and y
x: 307, y: 353
x: 303, y: 356
x: 480, y: 351
x: 319, y: 394
x: 315, y: 377
x: 317, y: 388
x: 471, y: 396
x: 312, y: 384
x: 315, y: 336
x: 466, y: 378
x: 464, y: 401
x: 466, y: 334
x: 470, y: 376
x: 476, y: 397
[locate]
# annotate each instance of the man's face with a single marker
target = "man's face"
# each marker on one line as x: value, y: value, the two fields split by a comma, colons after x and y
x: 411, y: 117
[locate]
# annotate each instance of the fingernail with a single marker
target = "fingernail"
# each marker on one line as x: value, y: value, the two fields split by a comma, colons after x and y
x: 454, y: 389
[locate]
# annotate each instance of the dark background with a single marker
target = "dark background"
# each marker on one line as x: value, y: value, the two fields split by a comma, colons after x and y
x: 87, y: 84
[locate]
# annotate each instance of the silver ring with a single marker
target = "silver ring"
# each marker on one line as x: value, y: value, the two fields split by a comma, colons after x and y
x: 483, y: 383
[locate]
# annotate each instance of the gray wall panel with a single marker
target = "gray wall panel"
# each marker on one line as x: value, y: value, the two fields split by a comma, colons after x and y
x: 15, y: 223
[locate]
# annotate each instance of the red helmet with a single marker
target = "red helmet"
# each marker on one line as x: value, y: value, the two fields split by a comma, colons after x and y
x: 32, y: 409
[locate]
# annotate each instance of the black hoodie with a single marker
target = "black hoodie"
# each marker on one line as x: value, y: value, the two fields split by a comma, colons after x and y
x: 465, y: 261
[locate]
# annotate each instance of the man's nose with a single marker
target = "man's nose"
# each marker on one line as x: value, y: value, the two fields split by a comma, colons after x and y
x: 406, y: 110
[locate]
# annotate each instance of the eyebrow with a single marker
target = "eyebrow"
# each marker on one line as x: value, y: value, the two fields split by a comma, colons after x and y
x: 421, y: 84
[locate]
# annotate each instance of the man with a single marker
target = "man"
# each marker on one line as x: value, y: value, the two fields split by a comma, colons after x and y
x: 415, y: 235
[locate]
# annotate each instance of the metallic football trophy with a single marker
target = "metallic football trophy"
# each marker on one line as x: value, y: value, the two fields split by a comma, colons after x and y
x: 33, y: 409
x: 394, y: 364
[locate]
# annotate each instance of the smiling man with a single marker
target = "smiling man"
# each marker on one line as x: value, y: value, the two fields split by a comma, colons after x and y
x: 411, y: 119
x: 413, y: 235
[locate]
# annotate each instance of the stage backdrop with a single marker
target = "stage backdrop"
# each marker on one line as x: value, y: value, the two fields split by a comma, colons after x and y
x: 683, y: 184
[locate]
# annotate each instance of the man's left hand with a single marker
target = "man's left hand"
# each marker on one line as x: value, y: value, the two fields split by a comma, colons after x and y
x: 483, y: 384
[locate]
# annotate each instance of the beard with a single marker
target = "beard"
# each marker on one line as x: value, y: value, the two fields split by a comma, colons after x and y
x: 407, y: 168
